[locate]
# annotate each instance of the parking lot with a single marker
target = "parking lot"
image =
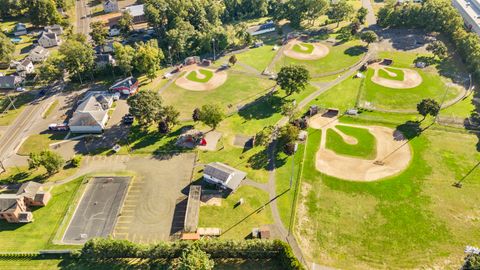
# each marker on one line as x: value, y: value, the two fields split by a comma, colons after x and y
x: 98, y: 209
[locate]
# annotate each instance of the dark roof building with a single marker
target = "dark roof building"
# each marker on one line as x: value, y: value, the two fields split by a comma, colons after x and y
x: 9, y: 82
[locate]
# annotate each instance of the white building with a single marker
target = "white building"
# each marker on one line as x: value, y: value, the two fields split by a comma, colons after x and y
x: 49, y: 39
x: 110, y: 6
x: 38, y: 54
x: 470, y: 11
x: 20, y: 29
x: 91, y: 115
x: 265, y: 28
x: 223, y: 175
x: 26, y: 66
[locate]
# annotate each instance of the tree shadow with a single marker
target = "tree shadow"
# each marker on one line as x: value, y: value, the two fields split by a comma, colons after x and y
x: 355, y: 50
x: 448, y: 68
x: 260, y: 160
x: 408, y: 130
x: 403, y: 39
x: 262, y: 107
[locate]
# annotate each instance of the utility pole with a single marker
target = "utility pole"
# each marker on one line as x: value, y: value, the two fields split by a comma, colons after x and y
x: 170, y: 55
x: 213, y: 45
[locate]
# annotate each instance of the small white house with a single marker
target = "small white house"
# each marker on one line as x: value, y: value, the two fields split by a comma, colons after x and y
x: 110, y: 6
x: 49, y: 39
x: 57, y: 29
x: 91, y: 115
x: 20, y: 29
x: 38, y: 54
x: 26, y: 66
x: 223, y: 175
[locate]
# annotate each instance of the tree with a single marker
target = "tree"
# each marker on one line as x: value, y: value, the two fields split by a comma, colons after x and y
x: 44, y: 12
x: 297, y: 11
x: 124, y: 56
x: 362, y: 14
x: 76, y: 160
x: 193, y: 258
x: 232, y: 60
x: 125, y: 23
x: 428, y: 107
x: 211, y: 115
x: 7, y: 48
x: 167, y: 118
x: 288, y: 108
x: 196, y: 115
x: 472, y: 262
x: 287, y: 137
x: 145, y: 106
x: 369, y: 37
x: 340, y: 11
x: 34, y: 161
x: 51, y: 70
x: 438, y: 49
x: 266, y: 136
x: 148, y: 57
x: 98, y: 33
x: 293, y: 79
x: 77, y: 57
x: 51, y: 161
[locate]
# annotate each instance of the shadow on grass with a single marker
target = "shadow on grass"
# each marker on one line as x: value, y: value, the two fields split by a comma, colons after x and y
x: 79, y: 264
x: 355, y: 50
x: 262, y: 107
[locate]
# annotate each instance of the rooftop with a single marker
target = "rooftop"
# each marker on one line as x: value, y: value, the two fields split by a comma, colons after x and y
x: 8, y: 201
x: 29, y: 189
x: 136, y: 10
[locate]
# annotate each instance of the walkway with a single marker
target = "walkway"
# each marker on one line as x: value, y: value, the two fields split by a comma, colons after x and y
x: 371, y: 20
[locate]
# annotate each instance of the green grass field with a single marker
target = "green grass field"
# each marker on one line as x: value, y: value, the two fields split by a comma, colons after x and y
x: 238, y: 222
x: 305, y: 48
x: 39, y: 142
x: 38, y: 234
x: 398, y: 221
x: 365, y: 148
x: 20, y: 101
x: 340, y: 56
x: 193, y: 75
x: 258, y: 58
x: 384, y: 73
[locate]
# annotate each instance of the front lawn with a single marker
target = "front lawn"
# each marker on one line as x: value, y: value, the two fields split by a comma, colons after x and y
x: 366, y: 143
x: 20, y: 101
x: 39, y: 142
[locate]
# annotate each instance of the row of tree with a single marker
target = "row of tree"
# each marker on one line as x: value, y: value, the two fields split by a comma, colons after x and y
x: 40, y: 12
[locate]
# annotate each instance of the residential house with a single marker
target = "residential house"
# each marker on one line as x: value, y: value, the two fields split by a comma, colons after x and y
x: 104, y: 60
x: 26, y: 67
x: 14, y: 207
x: 9, y: 82
x: 110, y: 6
x: 57, y: 29
x: 91, y: 115
x: 223, y: 175
x: 262, y: 29
x: 107, y: 48
x: 20, y: 29
x: 38, y: 54
x: 128, y: 86
x: 48, y: 39
x: 137, y: 13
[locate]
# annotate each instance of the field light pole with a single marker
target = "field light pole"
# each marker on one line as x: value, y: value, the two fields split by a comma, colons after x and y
x: 293, y: 165
x: 213, y: 45
x: 170, y: 55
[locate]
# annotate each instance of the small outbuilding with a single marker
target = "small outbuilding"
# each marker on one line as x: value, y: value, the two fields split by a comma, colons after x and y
x: 9, y: 82
x: 20, y: 29
x: 110, y: 6
x: 223, y: 176
x: 57, y: 29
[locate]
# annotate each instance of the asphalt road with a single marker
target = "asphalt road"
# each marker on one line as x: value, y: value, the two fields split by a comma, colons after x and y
x: 83, y: 19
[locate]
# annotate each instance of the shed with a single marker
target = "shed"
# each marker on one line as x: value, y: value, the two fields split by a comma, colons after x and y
x: 223, y: 175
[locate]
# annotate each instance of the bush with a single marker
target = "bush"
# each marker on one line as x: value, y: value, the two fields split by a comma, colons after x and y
x: 76, y: 160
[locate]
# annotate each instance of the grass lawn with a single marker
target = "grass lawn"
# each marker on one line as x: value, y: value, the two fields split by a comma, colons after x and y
x: 462, y: 109
x: 341, y: 56
x: 433, y: 86
x: 341, y: 96
x: 236, y: 90
x: 238, y: 222
x: 258, y: 58
x: 38, y: 234
x: 305, y: 48
x: 384, y: 73
x: 413, y: 220
x: 39, y: 142
x: 20, y: 102
x: 21, y: 174
x: 50, y: 109
x: 193, y: 76
x: 365, y: 148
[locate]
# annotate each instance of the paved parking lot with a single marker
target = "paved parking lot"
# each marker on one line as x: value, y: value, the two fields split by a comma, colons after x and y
x: 155, y: 204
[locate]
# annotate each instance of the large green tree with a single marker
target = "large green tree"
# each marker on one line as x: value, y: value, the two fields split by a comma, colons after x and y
x: 51, y: 161
x: 145, y: 106
x: 124, y: 56
x: 167, y: 118
x: 99, y: 33
x: 211, y: 115
x: 293, y: 79
x: 193, y: 258
x: 438, y: 49
x: 428, y: 106
x: 77, y: 57
x: 52, y: 69
x: 125, y: 24
x: 6, y: 48
x: 368, y: 37
x: 340, y: 11
x: 43, y: 12
x: 297, y: 11
x: 147, y: 58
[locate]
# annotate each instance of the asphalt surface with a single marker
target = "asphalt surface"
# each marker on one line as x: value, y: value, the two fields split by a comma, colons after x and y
x: 97, y: 212
x: 83, y: 19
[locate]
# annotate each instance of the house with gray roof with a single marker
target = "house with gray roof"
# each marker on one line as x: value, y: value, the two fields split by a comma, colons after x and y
x: 49, y: 39
x: 57, y: 29
x: 9, y: 82
x: 110, y: 6
x: 20, y: 29
x: 91, y: 115
x: 223, y: 176
x: 38, y: 54
x: 104, y: 60
x: 137, y: 12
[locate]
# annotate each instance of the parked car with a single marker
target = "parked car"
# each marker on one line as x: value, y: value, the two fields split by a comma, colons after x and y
x: 42, y: 92
x: 128, y: 119
x: 114, y: 32
x: 58, y: 127
x: 116, y: 148
x: 20, y: 89
x: 116, y: 96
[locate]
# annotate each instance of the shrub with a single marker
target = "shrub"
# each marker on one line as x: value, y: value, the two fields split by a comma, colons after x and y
x: 76, y: 160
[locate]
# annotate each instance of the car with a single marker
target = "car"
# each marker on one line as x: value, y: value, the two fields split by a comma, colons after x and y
x: 42, y: 92
x: 114, y: 32
x: 128, y: 119
x: 116, y: 96
x: 116, y: 148
x: 58, y: 127
x: 20, y: 89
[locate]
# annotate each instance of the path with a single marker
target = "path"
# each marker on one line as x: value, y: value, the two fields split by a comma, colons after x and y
x: 370, y: 19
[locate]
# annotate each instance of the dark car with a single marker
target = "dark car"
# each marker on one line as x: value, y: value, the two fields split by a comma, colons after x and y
x: 42, y: 92
x: 128, y: 119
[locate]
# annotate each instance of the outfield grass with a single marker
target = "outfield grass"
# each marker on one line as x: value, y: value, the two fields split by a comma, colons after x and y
x: 462, y: 109
x: 384, y: 73
x: 38, y: 234
x: 340, y: 56
x: 305, y: 48
x: 413, y: 220
x: 193, y: 76
x: 365, y: 148
x: 238, y: 222
x: 341, y: 96
x: 258, y: 58
x: 39, y: 142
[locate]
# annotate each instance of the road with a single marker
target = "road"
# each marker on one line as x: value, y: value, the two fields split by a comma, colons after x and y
x: 83, y: 19
x: 371, y: 19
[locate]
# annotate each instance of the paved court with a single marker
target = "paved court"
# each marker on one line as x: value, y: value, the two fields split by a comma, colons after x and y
x: 155, y: 205
x: 98, y: 209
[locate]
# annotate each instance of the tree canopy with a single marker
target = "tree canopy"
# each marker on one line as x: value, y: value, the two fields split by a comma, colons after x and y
x: 145, y: 106
x: 428, y: 106
x: 148, y: 57
x: 6, y: 48
x: 340, y: 11
x: 98, y: 32
x: 193, y: 258
x: 124, y: 56
x: 438, y: 49
x: 43, y: 12
x: 77, y: 57
x: 211, y: 115
x: 293, y: 79
x: 369, y: 36
x: 51, y: 161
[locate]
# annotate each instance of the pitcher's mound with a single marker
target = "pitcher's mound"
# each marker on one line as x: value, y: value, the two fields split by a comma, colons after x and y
x: 305, y: 51
x: 410, y: 79
x: 198, y: 78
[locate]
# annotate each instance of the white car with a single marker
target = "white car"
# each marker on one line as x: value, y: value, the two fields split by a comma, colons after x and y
x: 116, y: 96
x: 20, y: 89
x: 114, y: 32
x: 116, y: 148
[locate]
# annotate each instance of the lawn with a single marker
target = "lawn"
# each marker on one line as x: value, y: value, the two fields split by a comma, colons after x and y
x: 341, y: 96
x: 384, y: 73
x: 258, y: 58
x: 238, y: 89
x: 305, y: 48
x: 20, y: 102
x: 433, y: 86
x: 238, y: 222
x: 39, y: 142
x: 413, y: 220
x: 38, y: 234
x: 193, y: 75
x: 365, y: 148
x: 341, y: 55
x: 50, y: 109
